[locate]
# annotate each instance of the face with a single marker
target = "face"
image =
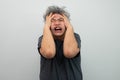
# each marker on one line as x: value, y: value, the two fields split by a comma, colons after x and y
x: 57, y: 25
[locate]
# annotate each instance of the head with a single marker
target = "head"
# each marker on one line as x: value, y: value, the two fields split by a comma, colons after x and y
x: 57, y: 27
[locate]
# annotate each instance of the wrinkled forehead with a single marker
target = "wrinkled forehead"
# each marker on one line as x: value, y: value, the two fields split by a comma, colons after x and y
x: 57, y: 16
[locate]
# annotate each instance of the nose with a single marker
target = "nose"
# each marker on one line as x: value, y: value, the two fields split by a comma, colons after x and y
x: 56, y: 22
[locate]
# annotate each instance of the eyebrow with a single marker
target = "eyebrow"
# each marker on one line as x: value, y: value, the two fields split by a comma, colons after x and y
x: 55, y: 19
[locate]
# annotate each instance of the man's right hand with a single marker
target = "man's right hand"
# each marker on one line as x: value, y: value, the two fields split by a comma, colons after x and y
x: 48, y: 20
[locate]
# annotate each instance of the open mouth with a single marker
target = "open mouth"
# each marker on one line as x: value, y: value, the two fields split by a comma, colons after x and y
x: 57, y: 29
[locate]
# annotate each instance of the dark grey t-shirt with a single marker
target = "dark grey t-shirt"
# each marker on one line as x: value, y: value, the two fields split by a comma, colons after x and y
x: 60, y: 67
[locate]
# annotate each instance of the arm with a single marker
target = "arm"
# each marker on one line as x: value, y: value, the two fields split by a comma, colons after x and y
x: 47, y: 45
x: 70, y: 45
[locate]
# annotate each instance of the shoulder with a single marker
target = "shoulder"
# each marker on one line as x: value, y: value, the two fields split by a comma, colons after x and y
x: 39, y: 41
x: 78, y: 39
x: 77, y: 36
x: 40, y: 37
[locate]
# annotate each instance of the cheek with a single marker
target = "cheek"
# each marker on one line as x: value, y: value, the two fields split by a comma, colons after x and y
x: 64, y: 28
x: 64, y: 25
x: 52, y: 27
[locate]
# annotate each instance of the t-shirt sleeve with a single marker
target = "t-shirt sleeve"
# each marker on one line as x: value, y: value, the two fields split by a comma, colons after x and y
x: 78, y: 39
x: 39, y: 43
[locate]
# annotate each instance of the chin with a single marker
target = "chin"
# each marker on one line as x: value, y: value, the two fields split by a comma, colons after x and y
x: 58, y: 35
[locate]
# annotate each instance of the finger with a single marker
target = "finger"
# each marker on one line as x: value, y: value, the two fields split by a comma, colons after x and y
x: 64, y: 15
x: 50, y: 14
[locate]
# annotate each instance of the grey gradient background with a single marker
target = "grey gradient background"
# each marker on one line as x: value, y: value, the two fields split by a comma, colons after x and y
x: 97, y: 22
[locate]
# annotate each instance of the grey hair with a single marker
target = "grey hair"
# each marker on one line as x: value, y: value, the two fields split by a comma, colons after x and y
x: 56, y: 9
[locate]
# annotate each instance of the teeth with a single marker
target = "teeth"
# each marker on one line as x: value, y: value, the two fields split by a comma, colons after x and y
x: 57, y: 28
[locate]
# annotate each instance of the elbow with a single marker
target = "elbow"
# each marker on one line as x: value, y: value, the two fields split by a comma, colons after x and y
x: 48, y: 53
x: 68, y: 53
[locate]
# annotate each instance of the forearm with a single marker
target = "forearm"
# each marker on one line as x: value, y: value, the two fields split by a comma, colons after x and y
x: 70, y: 44
x: 47, y: 45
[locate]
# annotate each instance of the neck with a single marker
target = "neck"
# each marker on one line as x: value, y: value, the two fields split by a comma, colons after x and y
x: 59, y: 37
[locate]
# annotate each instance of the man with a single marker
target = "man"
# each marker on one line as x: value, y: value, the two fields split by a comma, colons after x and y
x: 59, y: 47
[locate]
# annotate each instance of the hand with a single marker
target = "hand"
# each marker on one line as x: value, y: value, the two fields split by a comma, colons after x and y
x: 48, y: 20
x: 67, y: 22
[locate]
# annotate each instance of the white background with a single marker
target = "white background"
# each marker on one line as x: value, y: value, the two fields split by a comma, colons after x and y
x: 97, y: 22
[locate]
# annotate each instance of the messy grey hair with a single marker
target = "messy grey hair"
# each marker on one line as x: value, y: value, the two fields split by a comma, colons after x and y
x: 56, y: 9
